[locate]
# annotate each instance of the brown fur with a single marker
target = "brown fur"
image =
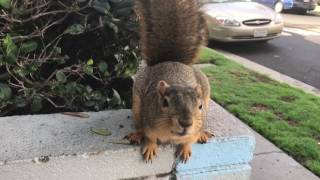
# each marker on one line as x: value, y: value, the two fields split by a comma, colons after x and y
x: 170, y: 30
x: 170, y: 97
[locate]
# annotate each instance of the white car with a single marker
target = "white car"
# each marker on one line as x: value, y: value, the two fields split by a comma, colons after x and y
x: 236, y: 20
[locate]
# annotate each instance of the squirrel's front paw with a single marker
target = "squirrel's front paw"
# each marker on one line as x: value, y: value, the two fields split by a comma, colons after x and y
x: 149, y: 151
x: 184, y: 152
x: 135, y: 137
x: 204, y: 137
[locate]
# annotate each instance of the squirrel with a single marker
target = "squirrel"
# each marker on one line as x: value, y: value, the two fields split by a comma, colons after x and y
x: 170, y: 97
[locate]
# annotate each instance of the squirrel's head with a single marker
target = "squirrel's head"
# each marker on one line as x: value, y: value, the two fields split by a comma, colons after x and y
x: 182, y: 106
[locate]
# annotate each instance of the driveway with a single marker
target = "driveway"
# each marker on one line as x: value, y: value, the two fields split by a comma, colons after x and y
x: 296, y: 53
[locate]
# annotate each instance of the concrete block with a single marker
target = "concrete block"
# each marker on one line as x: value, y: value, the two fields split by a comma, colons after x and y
x: 57, y: 146
x: 120, y: 164
x: 219, y: 152
x: 231, y: 172
x: 73, y: 151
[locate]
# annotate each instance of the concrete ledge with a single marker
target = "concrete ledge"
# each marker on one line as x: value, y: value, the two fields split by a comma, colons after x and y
x: 231, y: 172
x: 62, y: 147
x: 121, y: 164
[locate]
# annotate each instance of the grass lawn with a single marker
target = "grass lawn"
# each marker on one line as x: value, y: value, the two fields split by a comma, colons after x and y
x: 287, y: 116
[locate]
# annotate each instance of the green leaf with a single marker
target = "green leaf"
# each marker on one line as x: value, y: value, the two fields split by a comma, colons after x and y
x: 88, y: 89
x: 103, y: 67
x: 36, y: 104
x: 10, y: 49
x: 102, y: 132
x: 113, y: 26
x: 20, y: 102
x: 31, y: 68
x: 5, y: 3
x: 116, y: 4
x: 88, y: 70
x: 5, y: 92
x: 8, y: 44
x: 11, y: 59
x: 90, y: 103
x: 61, y: 77
x: 123, y: 12
x: 28, y: 46
x: 75, y: 29
x: 1, y: 60
x: 101, y: 6
x: 90, y: 62
x: 57, y: 50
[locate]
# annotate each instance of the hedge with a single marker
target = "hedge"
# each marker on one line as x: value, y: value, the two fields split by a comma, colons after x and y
x: 68, y: 55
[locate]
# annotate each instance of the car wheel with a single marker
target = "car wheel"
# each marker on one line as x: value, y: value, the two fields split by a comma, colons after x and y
x: 278, y: 7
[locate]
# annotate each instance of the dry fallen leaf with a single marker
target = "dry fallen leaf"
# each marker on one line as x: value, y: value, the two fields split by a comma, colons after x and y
x: 102, y: 132
x: 124, y: 142
x: 76, y: 114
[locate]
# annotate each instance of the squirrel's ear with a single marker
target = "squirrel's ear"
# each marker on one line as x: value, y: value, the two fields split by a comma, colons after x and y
x: 198, y: 90
x: 162, y: 87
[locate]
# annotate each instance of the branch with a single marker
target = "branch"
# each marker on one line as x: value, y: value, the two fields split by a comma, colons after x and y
x: 51, y: 102
x: 45, y: 14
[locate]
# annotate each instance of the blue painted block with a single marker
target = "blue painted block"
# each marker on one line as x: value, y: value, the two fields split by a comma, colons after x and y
x: 219, y: 152
x: 231, y: 172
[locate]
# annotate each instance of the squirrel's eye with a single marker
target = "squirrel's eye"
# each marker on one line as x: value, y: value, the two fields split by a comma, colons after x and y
x: 165, y: 103
x: 200, y: 107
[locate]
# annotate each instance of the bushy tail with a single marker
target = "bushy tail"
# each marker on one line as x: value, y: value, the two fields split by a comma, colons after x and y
x: 170, y: 30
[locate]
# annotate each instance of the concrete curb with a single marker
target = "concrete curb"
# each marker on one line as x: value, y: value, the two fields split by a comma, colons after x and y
x: 61, y: 147
x: 270, y: 162
x: 313, y: 28
x: 271, y: 73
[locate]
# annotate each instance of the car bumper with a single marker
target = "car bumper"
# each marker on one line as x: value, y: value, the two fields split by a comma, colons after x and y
x: 244, y: 33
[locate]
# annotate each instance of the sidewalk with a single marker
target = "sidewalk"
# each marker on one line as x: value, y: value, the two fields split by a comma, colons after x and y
x: 270, y: 162
x: 299, y: 21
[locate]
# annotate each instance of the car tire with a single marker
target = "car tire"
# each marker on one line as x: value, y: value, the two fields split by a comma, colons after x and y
x: 278, y: 6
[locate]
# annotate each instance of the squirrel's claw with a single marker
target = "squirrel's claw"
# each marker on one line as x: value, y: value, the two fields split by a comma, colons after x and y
x: 184, y: 153
x: 204, y: 137
x: 149, y: 152
x: 135, y: 137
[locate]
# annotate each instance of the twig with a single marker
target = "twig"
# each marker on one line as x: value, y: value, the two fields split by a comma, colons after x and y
x: 11, y: 74
x: 45, y: 14
x: 51, y: 102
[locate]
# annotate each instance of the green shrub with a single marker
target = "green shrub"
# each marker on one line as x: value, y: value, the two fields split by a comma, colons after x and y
x: 67, y: 55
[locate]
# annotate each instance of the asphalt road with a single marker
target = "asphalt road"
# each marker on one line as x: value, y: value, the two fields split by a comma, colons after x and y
x: 296, y: 53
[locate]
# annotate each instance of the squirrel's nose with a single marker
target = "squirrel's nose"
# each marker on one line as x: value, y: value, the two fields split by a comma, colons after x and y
x: 185, y: 124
